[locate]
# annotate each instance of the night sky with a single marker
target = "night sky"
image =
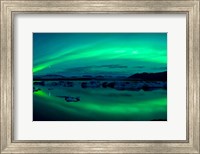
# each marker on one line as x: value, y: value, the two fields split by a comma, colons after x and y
x: 116, y: 54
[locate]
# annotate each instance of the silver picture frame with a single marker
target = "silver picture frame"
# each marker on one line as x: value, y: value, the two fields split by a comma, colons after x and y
x: 9, y: 8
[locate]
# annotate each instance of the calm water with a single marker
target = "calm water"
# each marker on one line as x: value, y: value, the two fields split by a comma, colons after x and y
x: 98, y: 104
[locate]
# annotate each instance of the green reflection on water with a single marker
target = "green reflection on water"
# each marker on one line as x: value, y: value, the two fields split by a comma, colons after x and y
x: 100, y: 104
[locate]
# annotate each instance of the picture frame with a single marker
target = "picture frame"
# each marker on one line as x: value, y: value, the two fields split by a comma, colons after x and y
x: 11, y: 7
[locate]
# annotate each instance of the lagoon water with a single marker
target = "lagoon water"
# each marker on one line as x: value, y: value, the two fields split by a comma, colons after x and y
x: 98, y: 104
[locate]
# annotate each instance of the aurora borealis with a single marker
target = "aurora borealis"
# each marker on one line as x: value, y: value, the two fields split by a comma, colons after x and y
x: 99, y: 53
x: 115, y: 58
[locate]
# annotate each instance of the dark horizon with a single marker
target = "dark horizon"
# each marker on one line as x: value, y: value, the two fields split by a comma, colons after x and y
x: 159, y: 76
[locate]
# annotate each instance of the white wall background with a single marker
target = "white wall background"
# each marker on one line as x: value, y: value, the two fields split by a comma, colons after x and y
x: 173, y: 129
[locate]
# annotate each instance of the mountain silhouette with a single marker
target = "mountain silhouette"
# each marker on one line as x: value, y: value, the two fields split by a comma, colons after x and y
x: 160, y: 76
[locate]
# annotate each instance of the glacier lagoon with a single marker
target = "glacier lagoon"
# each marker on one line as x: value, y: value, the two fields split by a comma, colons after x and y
x: 71, y: 101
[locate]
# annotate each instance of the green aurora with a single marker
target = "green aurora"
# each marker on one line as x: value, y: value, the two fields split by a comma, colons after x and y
x: 99, y: 53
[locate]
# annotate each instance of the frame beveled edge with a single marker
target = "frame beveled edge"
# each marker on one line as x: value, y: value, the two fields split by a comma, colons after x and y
x: 9, y: 8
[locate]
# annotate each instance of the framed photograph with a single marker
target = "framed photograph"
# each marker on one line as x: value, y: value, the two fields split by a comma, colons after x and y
x: 93, y: 61
x: 99, y: 76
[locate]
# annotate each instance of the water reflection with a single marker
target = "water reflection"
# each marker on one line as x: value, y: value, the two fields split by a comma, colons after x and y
x: 61, y: 100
